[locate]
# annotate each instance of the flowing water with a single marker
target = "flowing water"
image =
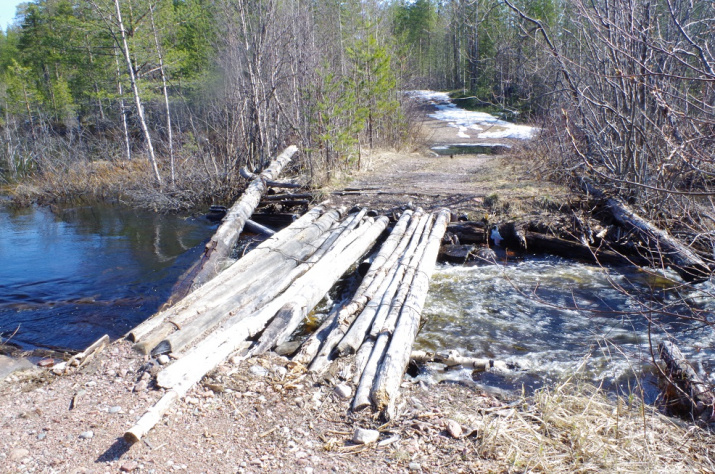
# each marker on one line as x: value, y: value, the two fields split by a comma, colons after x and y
x: 556, y: 318
x: 70, y: 276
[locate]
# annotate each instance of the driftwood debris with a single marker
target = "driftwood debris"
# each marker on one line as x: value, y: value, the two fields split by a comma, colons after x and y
x: 454, y: 359
x: 663, y: 246
x: 687, y: 389
x: 219, y: 248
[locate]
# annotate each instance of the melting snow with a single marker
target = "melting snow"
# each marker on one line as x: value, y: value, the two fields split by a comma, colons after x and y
x: 488, y: 125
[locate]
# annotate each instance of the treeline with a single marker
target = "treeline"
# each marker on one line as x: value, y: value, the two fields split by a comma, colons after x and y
x: 192, y: 90
x: 625, y: 90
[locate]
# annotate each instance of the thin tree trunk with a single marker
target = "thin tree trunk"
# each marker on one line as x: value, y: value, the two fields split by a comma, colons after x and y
x: 122, y: 109
x: 166, y: 95
x: 135, y: 91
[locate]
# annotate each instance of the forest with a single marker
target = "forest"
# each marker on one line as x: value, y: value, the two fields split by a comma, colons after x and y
x: 163, y: 101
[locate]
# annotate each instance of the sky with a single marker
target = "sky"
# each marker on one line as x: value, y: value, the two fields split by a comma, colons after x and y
x: 7, y: 12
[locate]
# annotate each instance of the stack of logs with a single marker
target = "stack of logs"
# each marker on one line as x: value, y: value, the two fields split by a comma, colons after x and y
x: 381, y: 321
x: 272, y: 289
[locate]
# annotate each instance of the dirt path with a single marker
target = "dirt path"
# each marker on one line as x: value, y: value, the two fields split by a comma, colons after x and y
x: 460, y: 182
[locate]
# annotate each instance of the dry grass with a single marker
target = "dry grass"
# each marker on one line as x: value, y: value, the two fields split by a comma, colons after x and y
x: 577, y: 428
x: 124, y: 181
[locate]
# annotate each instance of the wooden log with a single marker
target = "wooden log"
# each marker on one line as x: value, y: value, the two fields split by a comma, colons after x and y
x: 387, y: 383
x: 454, y: 359
x: 292, y: 314
x: 361, y: 358
x: 257, y: 288
x: 356, y: 334
x: 154, y: 414
x: 257, y: 228
x: 247, y: 277
x: 248, y: 260
x: 287, y: 197
x: 83, y: 358
x: 456, y: 253
x: 218, y: 250
x: 386, y: 258
x: 309, y: 289
x: 690, y: 389
x: 469, y: 232
x: 553, y: 245
x: 383, y: 326
x: 269, y: 182
x: 277, y: 220
x: 662, y: 245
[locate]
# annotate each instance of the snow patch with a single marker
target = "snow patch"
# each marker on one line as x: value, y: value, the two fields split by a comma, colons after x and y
x: 489, y: 125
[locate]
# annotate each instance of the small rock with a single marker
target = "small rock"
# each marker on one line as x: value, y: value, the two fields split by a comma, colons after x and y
x: 128, y: 466
x: 86, y: 435
x: 59, y: 369
x: 363, y: 436
x: 280, y: 371
x: 343, y: 391
x: 114, y: 410
x: 163, y: 359
x: 91, y: 383
x: 301, y: 454
x: 19, y: 454
x: 414, y: 466
x: 41, y: 436
x: 46, y: 362
x: 258, y: 371
x: 454, y: 429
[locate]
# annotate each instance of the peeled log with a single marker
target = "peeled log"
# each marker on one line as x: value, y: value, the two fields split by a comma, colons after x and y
x: 311, y: 287
x: 250, y: 292
x: 362, y: 324
x: 386, y: 388
x: 219, y: 247
x: 247, y: 261
x: 386, y: 258
x: 383, y: 326
x: 236, y: 285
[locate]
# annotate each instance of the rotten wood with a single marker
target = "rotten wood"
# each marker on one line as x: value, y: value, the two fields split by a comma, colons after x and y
x: 689, y: 389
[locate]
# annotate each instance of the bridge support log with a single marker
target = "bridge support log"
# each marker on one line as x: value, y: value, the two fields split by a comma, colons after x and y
x: 390, y: 308
x: 259, y: 253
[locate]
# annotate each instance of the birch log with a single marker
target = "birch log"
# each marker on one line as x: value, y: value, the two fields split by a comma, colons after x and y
x: 387, y: 384
x: 318, y: 351
x: 218, y: 250
x: 247, y: 261
x: 454, y: 359
x: 312, y: 287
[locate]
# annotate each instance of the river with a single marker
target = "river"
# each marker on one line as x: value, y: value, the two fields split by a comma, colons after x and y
x: 71, y: 275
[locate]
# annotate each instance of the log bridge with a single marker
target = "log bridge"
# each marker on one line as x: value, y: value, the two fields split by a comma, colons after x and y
x: 251, y: 305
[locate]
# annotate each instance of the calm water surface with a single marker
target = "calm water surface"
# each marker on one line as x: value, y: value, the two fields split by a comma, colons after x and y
x: 70, y: 276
